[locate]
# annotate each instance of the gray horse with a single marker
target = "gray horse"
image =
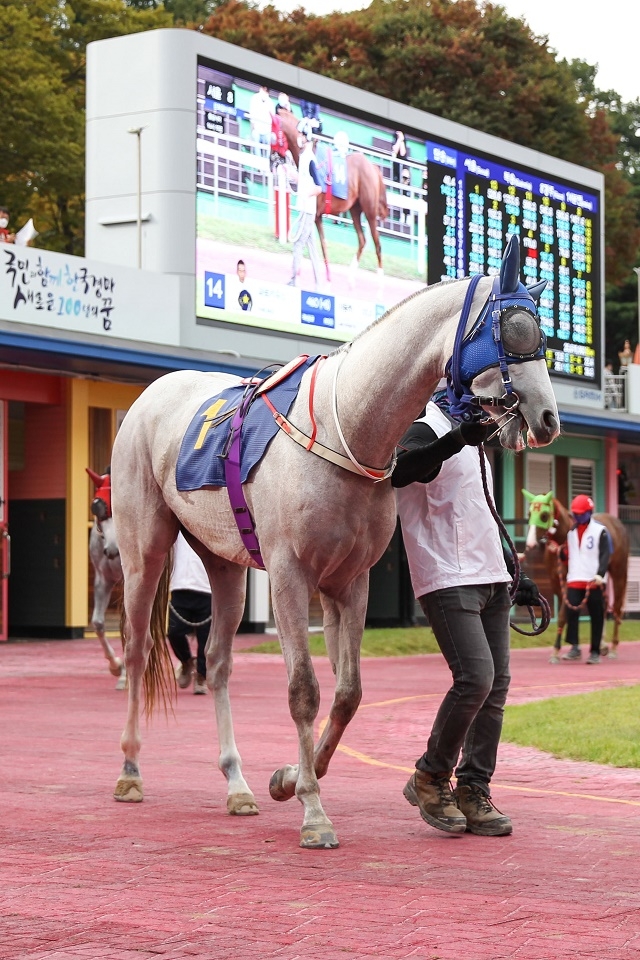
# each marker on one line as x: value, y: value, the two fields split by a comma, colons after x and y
x: 105, y: 557
x: 320, y: 527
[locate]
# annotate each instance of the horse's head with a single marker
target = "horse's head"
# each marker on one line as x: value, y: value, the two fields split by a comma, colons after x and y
x: 101, y: 510
x: 499, y: 365
x: 542, y: 518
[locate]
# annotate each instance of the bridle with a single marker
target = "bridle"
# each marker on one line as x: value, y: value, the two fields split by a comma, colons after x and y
x: 483, y: 348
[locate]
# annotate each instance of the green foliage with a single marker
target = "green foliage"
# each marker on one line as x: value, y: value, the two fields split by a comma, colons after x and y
x: 602, y: 727
x: 42, y: 90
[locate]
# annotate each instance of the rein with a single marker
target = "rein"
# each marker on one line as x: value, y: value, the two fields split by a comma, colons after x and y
x: 545, y: 618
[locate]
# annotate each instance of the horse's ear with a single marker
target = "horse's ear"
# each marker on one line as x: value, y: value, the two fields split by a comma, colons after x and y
x: 548, y: 497
x: 510, y: 267
x: 536, y: 290
x: 97, y: 479
x: 529, y: 497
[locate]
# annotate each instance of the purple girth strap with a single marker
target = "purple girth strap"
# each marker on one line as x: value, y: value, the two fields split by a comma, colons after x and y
x: 241, y: 512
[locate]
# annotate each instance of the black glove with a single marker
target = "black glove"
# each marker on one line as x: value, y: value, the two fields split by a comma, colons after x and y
x: 527, y: 594
x: 474, y: 434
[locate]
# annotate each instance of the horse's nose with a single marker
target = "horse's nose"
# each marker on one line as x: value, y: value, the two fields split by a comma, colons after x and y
x: 111, y: 552
x: 550, y: 422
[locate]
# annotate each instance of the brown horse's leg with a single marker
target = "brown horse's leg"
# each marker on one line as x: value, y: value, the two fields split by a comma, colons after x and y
x: 375, y: 236
x: 323, y: 242
x: 557, y: 646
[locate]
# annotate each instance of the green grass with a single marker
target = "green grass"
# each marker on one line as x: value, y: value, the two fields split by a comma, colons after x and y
x: 601, y: 727
x: 407, y: 641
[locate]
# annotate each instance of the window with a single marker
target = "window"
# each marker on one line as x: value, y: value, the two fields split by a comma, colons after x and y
x: 581, y: 478
x: 540, y: 473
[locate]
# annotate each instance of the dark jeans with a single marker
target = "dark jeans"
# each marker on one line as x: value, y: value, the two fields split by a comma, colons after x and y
x: 595, y: 608
x: 194, y: 607
x: 471, y: 625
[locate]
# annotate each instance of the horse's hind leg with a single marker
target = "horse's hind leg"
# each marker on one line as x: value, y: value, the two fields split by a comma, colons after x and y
x: 228, y: 582
x: 146, y: 537
x: 356, y: 215
x: 290, y: 593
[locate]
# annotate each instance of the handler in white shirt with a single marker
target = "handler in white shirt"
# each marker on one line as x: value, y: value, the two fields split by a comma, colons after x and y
x: 588, y: 550
x: 309, y: 187
x: 460, y: 578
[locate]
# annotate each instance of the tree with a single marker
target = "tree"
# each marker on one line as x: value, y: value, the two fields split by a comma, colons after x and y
x: 42, y: 89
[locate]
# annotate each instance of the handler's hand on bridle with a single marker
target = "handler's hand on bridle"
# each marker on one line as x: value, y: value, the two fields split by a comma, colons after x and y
x: 474, y: 434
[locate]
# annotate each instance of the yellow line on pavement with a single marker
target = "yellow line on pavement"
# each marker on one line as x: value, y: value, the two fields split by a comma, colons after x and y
x: 371, y: 761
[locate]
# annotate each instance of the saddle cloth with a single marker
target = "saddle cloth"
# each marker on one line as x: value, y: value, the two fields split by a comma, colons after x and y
x: 332, y: 167
x: 200, y: 462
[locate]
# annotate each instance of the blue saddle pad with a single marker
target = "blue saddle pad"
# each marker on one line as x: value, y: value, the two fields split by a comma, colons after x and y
x: 334, y: 168
x: 200, y: 463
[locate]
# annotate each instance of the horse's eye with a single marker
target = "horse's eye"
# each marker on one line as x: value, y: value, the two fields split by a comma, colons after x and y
x: 544, y: 516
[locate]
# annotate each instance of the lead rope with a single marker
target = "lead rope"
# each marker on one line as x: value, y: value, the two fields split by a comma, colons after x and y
x: 545, y: 618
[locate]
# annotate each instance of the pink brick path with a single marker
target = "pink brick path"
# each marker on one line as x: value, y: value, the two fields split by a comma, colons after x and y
x: 174, y: 877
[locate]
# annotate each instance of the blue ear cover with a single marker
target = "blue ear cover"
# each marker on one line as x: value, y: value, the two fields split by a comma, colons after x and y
x: 510, y: 266
x: 536, y: 290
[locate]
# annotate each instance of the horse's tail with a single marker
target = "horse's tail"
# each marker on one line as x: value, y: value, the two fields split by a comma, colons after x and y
x: 383, y: 206
x: 158, y: 678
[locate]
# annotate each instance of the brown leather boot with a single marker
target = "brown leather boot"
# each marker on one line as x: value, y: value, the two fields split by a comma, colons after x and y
x: 433, y: 796
x: 482, y: 817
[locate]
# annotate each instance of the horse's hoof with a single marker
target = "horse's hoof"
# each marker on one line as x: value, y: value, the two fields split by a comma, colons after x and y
x: 604, y: 650
x: 320, y: 836
x: 277, y: 787
x: 242, y: 805
x: 554, y: 658
x: 116, y: 669
x: 128, y: 790
x: 122, y: 679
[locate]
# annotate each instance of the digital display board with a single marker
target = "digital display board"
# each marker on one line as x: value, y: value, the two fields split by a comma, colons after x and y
x: 476, y: 202
x: 447, y: 213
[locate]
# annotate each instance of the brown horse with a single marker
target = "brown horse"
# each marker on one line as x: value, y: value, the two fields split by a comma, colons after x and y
x: 550, y: 523
x: 366, y: 195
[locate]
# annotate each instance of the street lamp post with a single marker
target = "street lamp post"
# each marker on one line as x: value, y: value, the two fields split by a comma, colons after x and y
x: 138, y: 133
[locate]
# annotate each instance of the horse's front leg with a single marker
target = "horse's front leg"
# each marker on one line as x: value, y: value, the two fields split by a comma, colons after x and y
x: 101, y: 595
x: 290, y: 595
x: 228, y: 591
x: 346, y: 618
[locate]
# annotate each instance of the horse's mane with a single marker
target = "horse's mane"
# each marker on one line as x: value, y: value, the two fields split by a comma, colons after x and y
x: 388, y: 313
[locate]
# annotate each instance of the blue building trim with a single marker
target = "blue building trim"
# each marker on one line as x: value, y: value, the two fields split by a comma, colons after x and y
x: 44, y: 349
x: 625, y: 430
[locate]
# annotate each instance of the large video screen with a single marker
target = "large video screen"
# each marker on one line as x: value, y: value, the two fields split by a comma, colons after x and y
x: 436, y: 211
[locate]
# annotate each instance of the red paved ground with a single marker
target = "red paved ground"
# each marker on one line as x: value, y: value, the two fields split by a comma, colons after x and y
x: 175, y: 877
